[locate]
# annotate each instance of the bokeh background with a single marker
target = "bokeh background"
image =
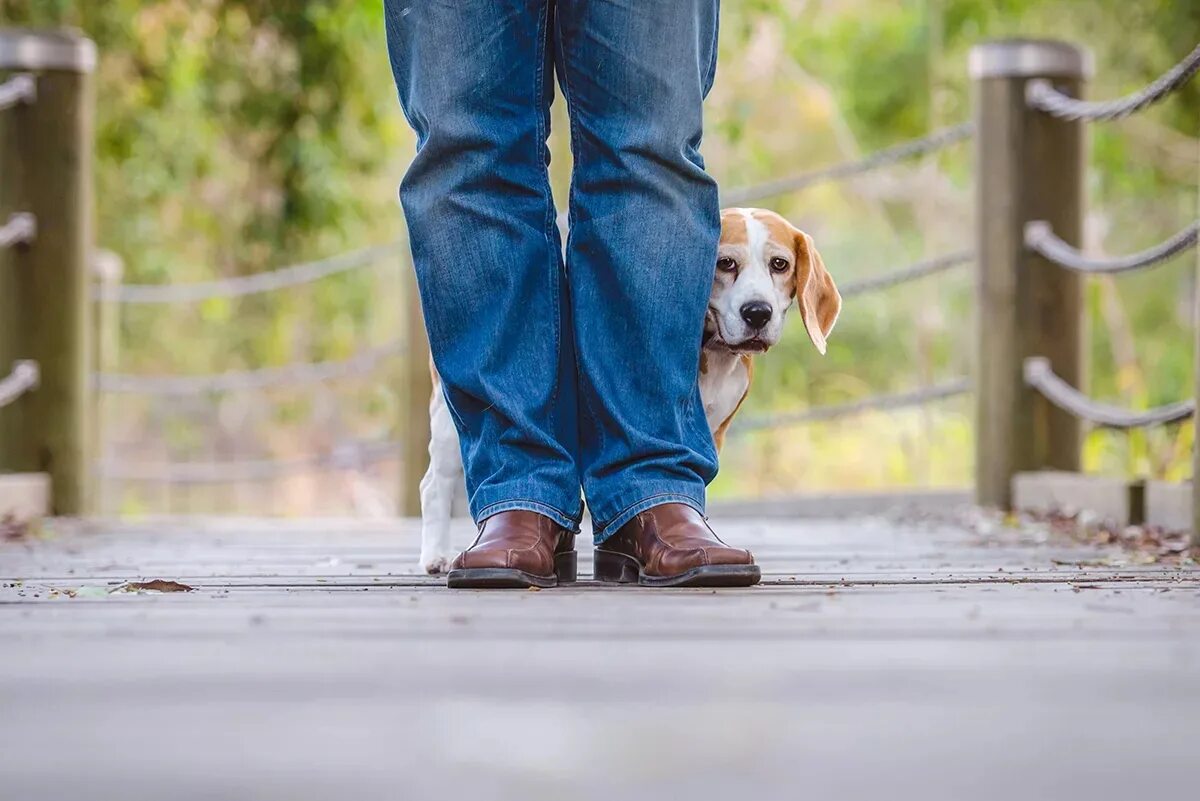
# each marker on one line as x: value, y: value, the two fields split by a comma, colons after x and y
x: 237, y: 136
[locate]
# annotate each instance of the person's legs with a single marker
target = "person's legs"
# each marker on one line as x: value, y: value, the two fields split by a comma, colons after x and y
x: 644, y: 224
x: 475, y: 80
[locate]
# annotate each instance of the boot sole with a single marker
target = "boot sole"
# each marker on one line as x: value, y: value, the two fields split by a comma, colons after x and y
x: 616, y: 568
x: 509, y: 578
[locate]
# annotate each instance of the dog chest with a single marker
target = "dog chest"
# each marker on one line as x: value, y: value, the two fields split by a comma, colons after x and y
x: 724, y: 381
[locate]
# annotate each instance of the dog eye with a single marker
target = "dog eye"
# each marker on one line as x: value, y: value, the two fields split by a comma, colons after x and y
x: 726, y: 265
x: 779, y: 265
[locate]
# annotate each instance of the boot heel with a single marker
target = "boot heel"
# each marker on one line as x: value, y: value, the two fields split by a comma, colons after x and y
x: 614, y: 568
x: 566, y: 567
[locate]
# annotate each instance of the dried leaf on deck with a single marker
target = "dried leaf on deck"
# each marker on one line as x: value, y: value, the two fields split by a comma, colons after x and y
x: 157, y: 585
x: 13, y: 530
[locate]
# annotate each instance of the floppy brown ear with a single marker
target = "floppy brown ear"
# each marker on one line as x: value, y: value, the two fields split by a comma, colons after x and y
x: 816, y: 294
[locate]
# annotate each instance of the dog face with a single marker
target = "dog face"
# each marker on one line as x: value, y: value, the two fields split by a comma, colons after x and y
x: 763, y: 262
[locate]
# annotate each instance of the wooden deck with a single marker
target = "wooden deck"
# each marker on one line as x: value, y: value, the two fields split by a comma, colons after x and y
x: 881, y: 659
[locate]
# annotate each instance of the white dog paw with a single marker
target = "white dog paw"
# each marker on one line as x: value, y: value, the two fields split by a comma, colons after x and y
x: 435, y: 562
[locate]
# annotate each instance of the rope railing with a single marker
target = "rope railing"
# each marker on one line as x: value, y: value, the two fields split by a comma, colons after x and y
x: 300, y: 373
x: 17, y: 90
x: 1040, y: 238
x: 343, y: 456
x: 240, y: 286
x: 875, y: 403
x: 19, y: 229
x: 912, y: 272
x: 935, y: 141
x: 1040, y: 376
x: 1042, y: 95
x: 24, y: 378
x: 316, y: 270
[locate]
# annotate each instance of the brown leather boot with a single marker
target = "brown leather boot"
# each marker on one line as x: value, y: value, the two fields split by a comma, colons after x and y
x: 672, y: 546
x: 516, y: 549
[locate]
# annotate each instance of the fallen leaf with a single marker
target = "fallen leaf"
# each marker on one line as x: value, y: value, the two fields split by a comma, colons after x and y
x: 12, y: 530
x: 157, y: 585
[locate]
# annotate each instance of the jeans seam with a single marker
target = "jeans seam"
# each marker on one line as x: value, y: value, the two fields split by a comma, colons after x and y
x: 711, y: 75
x: 690, y: 419
x: 576, y: 150
x: 603, y: 531
x: 391, y: 31
x: 517, y: 503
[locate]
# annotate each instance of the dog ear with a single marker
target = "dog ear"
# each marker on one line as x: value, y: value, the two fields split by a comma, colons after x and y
x: 816, y: 294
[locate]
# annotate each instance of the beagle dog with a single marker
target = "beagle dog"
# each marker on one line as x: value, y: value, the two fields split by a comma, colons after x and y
x: 763, y: 264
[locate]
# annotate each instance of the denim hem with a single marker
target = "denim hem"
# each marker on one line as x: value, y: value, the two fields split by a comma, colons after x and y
x: 561, y: 518
x: 602, y: 533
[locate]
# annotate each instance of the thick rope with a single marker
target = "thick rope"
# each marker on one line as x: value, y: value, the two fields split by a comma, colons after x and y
x: 910, y: 273
x: 268, y: 377
x: 926, y: 144
x: 313, y: 271
x: 1040, y: 238
x: 876, y: 403
x: 344, y: 456
x: 1040, y: 376
x: 23, y: 378
x: 1042, y: 95
x: 250, y: 284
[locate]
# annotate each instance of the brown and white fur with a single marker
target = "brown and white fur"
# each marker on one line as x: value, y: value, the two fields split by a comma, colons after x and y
x: 763, y: 263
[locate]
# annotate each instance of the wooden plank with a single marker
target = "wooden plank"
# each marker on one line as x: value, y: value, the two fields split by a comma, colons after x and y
x: 1006, y: 648
x: 887, y: 547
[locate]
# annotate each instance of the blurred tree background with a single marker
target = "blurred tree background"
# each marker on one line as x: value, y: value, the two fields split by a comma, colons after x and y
x: 236, y: 136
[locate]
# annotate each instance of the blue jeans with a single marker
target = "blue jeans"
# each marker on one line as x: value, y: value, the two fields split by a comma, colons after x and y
x: 583, y: 372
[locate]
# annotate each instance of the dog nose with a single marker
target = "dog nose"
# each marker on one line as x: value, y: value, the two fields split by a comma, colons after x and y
x: 756, y: 314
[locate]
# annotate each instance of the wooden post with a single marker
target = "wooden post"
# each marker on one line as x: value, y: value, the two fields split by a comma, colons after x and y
x: 1029, y: 166
x: 46, y: 163
x: 415, y: 392
x: 108, y: 270
x: 1137, y: 502
x: 1195, y: 538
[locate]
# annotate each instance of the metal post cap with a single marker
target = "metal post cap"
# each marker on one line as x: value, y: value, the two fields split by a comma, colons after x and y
x: 36, y: 50
x: 1030, y: 58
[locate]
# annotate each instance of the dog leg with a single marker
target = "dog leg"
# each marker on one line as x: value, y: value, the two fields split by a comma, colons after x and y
x: 438, y: 488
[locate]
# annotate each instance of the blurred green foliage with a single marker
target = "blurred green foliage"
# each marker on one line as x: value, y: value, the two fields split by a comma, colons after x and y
x: 238, y: 135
